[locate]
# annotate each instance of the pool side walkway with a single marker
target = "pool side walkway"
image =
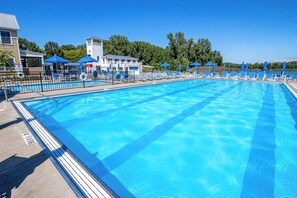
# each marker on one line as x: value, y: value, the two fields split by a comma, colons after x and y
x: 26, y: 170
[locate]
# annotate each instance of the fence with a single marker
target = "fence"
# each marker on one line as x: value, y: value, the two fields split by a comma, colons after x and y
x: 19, y: 83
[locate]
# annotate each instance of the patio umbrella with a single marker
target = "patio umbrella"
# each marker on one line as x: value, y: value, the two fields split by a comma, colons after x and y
x: 56, y: 59
x: 242, y: 66
x: 265, y: 66
x: 196, y: 64
x: 187, y: 67
x: 165, y: 64
x: 211, y: 64
x: 247, y: 67
x: 284, y: 66
x: 87, y: 59
x: 89, y: 65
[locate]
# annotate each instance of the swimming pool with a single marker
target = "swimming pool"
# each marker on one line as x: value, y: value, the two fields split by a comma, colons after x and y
x: 206, y: 138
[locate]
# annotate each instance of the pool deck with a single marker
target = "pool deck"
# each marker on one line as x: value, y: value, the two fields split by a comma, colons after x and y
x: 26, y: 170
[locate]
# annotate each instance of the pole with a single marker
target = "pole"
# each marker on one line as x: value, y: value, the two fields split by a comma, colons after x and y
x: 5, y: 91
x: 112, y: 80
x: 40, y: 77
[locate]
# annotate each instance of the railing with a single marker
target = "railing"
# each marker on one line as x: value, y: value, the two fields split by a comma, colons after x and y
x: 12, y: 84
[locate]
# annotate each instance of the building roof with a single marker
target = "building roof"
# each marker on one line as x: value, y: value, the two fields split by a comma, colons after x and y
x: 111, y: 56
x: 30, y: 53
x: 9, y: 22
x: 94, y: 37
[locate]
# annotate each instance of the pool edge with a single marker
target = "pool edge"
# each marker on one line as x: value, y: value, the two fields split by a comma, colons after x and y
x: 80, y: 180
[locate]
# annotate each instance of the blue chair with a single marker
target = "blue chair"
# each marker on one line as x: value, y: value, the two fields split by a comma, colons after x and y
x: 260, y: 76
x: 66, y: 76
x: 56, y: 77
x: 224, y: 74
x: 233, y: 75
x: 252, y: 76
x: 95, y: 74
x: 242, y: 75
x: 268, y: 76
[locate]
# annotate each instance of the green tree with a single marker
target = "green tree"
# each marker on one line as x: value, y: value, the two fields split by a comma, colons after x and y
x: 5, y: 56
x: 116, y: 44
x: 24, y: 44
x: 74, y: 54
x: 51, y: 49
x: 68, y: 47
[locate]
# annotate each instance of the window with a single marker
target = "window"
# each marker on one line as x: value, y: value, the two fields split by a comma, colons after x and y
x: 97, y: 58
x: 10, y: 61
x: 5, y: 37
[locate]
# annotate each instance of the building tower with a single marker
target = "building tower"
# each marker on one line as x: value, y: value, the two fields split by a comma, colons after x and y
x: 95, y: 50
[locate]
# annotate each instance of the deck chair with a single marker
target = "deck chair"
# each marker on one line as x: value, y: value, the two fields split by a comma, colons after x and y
x: 268, y: 76
x: 233, y: 75
x: 243, y: 75
x: 224, y: 74
x: 260, y: 76
x: 252, y: 76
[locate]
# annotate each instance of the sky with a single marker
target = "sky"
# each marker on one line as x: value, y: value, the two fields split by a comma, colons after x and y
x: 250, y: 31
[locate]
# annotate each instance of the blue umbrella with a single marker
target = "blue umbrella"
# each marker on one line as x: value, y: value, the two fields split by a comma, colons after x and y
x: 265, y: 66
x: 165, y: 64
x: 211, y: 64
x: 242, y: 66
x: 196, y: 64
x: 56, y: 59
x: 284, y: 66
x: 180, y: 67
x: 247, y: 67
x: 87, y: 59
x: 187, y: 67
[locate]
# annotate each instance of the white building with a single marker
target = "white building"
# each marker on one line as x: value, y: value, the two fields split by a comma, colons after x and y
x: 109, y: 61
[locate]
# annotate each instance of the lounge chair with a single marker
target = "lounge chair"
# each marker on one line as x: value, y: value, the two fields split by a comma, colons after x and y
x: 260, y: 76
x: 206, y: 74
x: 268, y: 76
x: 224, y: 74
x: 233, y: 75
x: 56, y: 77
x: 277, y: 77
x: 288, y: 77
x: 95, y: 74
x: 252, y: 76
x: 66, y: 76
x: 215, y: 75
x: 243, y: 75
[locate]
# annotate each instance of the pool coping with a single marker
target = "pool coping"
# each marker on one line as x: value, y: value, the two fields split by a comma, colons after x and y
x: 82, y: 182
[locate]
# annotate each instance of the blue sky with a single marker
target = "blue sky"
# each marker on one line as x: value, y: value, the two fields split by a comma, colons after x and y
x: 250, y: 31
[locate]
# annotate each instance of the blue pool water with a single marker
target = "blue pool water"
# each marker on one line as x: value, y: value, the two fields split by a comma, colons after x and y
x: 198, y: 138
x: 37, y: 87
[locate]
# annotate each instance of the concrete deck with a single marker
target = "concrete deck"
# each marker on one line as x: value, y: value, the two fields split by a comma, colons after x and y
x: 27, y: 171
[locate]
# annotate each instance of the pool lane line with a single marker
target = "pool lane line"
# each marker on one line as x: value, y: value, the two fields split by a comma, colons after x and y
x: 125, y: 153
x: 80, y: 120
x: 259, y: 174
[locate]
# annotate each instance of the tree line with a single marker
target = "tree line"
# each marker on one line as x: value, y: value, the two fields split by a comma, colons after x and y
x: 180, y: 50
